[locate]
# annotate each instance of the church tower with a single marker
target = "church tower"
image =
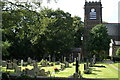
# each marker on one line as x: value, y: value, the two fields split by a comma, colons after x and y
x: 92, y: 17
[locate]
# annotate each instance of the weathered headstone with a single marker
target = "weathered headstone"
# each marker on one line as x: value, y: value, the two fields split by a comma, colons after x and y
x: 64, y: 59
x: 66, y: 64
x: 87, y: 63
x: 57, y: 63
x: 30, y: 72
x: 74, y: 59
x: 14, y: 65
x: 35, y: 65
x: 41, y: 72
x: 49, y: 58
x: 4, y: 63
x: 33, y: 61
x: 22, y: 62
x: 44, y: 64
x: 9, y: 66
x: 14, y: 61
x: 94, y: 59
x: 91, y: 62
x: 17, y: 69
x: 29, y: 60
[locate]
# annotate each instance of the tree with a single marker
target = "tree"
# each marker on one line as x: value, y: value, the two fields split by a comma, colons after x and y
x: 32, y: 33
x: 98, y: 42
x: 118, y: 52
x: 78, y: 29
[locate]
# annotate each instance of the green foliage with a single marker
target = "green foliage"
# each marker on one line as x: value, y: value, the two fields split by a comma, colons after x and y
x: 98, y: 41
x: 40, y: 33
x: 78, y: 29
x: 5, y: 46
x: 118, y: 52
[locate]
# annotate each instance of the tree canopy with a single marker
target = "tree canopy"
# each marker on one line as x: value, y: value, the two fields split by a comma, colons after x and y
x: 31, y: 33
x: 98, y: 41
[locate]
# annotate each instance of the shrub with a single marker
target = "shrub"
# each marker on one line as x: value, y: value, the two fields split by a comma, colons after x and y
x: 118, y: 52
x: 116, y: 58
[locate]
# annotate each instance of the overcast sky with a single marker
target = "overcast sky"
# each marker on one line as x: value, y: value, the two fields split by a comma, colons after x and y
x: 76, y: 7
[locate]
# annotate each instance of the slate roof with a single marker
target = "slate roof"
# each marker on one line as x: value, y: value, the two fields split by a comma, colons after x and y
x: 113, y: 30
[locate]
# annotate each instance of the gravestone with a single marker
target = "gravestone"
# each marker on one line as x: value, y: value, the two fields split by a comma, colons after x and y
x: 90, y: 62
x: 22, y: 62
x: 74, y: 59
x: 66, y: 64
x: 14, y: 65
x: 41, y: 72
x: 29, y: 60
x: 4, y: 63
x: 57, y: 63
x: 9, y: 66
x: 87, y: 63
x: 17, y: 69
x: 94, y: 59
x: 14, y: 61
x: 33, y: 61
x: 44, y: 64
x: 35, y: 65
x: 30, y: 72
x: 62, y: 67
x: 64, y: 59
x: 49, y: 58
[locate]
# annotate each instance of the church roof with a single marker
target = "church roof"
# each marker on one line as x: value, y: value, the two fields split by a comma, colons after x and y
x: 113, y: 30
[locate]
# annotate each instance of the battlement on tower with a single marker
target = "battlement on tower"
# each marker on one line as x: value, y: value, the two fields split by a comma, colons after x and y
x: 92, y: 3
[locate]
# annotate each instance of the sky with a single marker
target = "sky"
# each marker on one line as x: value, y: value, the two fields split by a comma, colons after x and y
x: 76, y: 8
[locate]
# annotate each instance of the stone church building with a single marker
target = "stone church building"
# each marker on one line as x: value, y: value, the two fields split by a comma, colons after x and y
x: 92, y: 17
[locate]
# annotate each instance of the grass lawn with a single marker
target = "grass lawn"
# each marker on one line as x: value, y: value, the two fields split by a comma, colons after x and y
x: 116, y: 65
x: 97, y: 72
x: 101, y: 72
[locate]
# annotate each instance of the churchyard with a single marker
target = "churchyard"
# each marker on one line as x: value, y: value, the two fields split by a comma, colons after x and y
x: 88, y: 69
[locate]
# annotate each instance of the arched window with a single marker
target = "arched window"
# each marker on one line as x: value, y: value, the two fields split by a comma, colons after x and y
x: 93, y: 14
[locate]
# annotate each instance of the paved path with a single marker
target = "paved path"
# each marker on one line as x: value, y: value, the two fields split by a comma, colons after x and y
x: 114, y: 67
x: 110, y: 63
